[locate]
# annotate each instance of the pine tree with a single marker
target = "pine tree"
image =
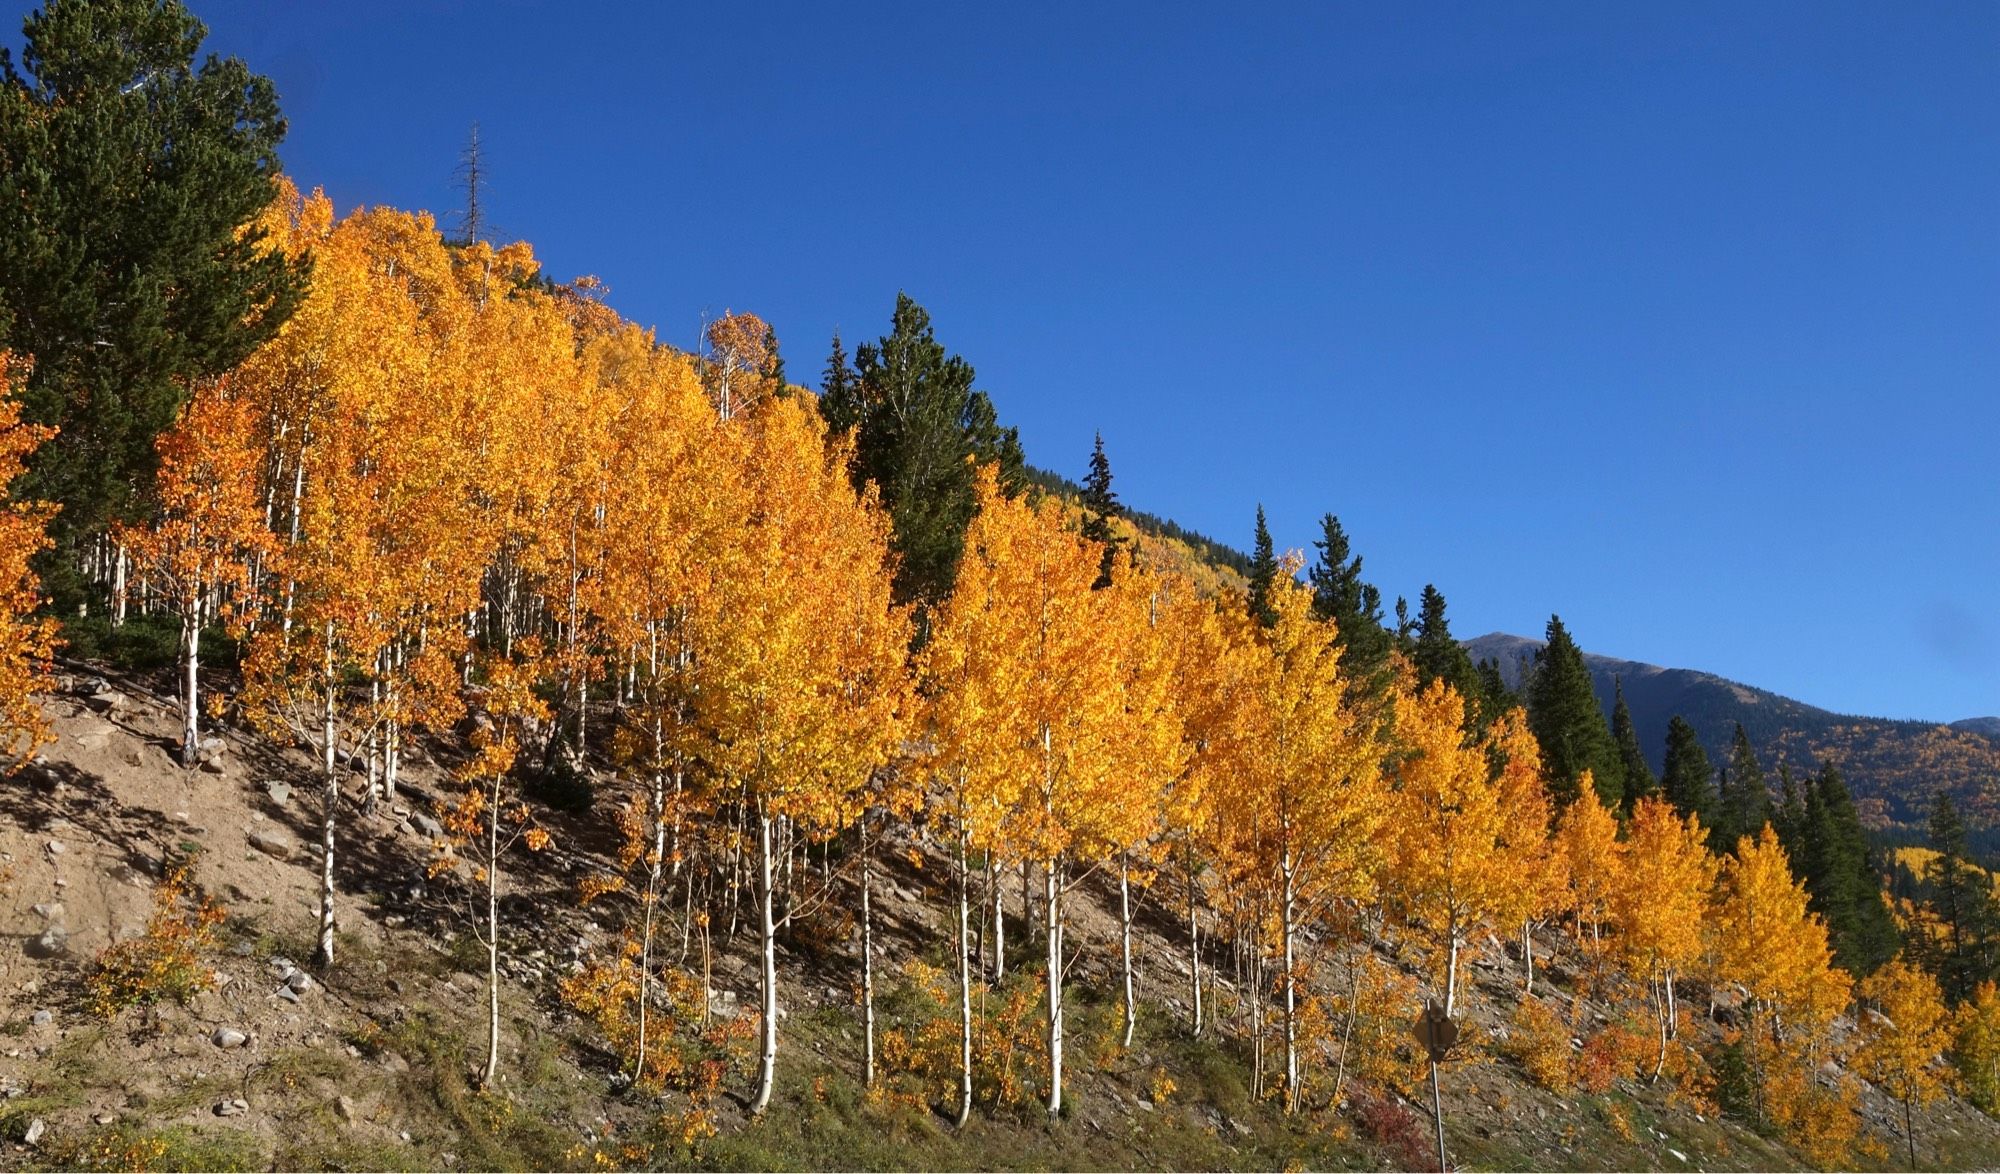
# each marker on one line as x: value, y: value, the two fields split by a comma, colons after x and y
x: 1743, y: 804
x: 130, y: 179
x: 1100, y: 505
x: 1567, y: 720
x: 1960, y: 899
x: 1832, y: 857
x: 838, y: 402
x: 1687, y: 779
x: 1495, y: 697
x: 1639, y: 780
x: 922, y: 428
x: 1263, y: 574
x: 1439, y: 656
x: 1355, y: 608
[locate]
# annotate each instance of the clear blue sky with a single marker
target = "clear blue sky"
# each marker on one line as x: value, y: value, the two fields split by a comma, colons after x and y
x: 1682, y: 322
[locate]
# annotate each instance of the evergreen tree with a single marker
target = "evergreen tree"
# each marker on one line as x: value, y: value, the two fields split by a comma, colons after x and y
x: 839, y: 399
x: 1438, y: 655
x: 1406, y: 642
x: 1495, y: 698
x: 1960, y: 899
x: 1100, y: 505
x: 1743, y: 801
x: 128, y: 175
x: 922, y: 430
x: 1791, y: 820
x: 1639, y: 780
x: 1844, y: 884
x: 1263, y: 574
x: 1686, y: 778
x: 1569, y: 723
x: 1354, y: 607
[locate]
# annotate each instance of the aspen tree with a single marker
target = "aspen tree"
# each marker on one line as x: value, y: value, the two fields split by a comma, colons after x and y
x: 27, y: 643
x: 209, y: 530
x: 1660, y: 902
x: 1901, y: 1046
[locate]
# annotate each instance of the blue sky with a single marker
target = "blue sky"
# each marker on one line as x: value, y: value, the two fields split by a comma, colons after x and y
x: 1681, y: 321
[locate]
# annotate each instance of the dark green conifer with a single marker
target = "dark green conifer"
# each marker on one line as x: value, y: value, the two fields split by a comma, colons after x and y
x: 1263, y: 574
x: 128, y: 175
x: 1960, y: 898
x: 1639, y: 780
x: 1439, y: 656
x: 1686, y: 778
x: 1100, y: 505
x: 922, y: 430
x: 1844, y: 885
x: 1567, y: 720
x: 1743, y: 802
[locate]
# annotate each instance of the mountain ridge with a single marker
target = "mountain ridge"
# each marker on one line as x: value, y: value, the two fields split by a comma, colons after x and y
x: 1894, y: 766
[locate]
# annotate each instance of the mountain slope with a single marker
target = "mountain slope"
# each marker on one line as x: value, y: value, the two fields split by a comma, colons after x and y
x: 1893, y: 767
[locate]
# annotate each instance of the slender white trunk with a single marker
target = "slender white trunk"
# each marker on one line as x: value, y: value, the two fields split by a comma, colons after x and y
x: 118, y: 586
x: 191, y: 690
x: 867, y: 962
x: 1194, y: 950
x: 1451, y: 973
x: 964, y: 982
x: 1052, y: 895
x: 999, y: 919
x: 1527, y: 956
x: 329, y: 810
x: 492, y: 934
x: 1125, y: 945
x: 767, y: 1066
x: 1291, y: 992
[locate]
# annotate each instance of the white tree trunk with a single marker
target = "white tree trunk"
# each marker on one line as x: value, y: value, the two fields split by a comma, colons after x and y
x: 867, y: 962
x: 1052, y: 896
x: 964, y: 983
x: 767, y: 1066
x: 492, y: 934
x: 1125, y: 945
x: 1291, y: 992
x: 191, y: 690
x: 329, y: 812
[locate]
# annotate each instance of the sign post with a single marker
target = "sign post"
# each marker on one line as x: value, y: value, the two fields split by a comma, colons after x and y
x: 1436, y: 1031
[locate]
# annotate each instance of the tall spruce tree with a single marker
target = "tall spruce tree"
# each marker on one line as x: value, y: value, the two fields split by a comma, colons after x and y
x: 1687, y: 778
x: 129, y: 176
x: 1438, y: 655
x: 839, y: 402
x: 1263, y: 574
x: 1569, y: 723
x: 1495, y: 698
x: 1960, y: 899
x: 922, y: 429
x: 1844, y: 884
x: 1743, y: 800
x: 1100, y: 505
x: 1355, y: 608
x: 1639, y: 780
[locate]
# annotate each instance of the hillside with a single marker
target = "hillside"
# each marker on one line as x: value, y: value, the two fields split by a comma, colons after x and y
x: 1893, y: 767
x: 366, y: 1065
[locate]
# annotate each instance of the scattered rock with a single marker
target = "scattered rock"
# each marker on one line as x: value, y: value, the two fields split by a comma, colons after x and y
x: 232, y: 1108
x: 286, y: 993
x: 132, y: 755
x: 213, y: 766
x: 271, y: 844
x: 104, y: 1118
x: 299, y: 981
x: 426, y: 826
x: 96, y: 739
x: 32, y: 1135
x: 346, y: 1108
x: 228, y: 1037
x: 50, y: 911
x: 1676, y: 1153
x: 280, y: 793
x: 52, y: 944
x: 56, y: 848
x: 42, y: 1018
x: 106, y: 701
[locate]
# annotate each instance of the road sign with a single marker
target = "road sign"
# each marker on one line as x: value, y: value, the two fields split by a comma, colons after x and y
x: 1436, y: 1031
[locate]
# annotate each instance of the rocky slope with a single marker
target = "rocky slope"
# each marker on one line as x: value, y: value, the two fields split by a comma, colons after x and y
x: 366, y: 1066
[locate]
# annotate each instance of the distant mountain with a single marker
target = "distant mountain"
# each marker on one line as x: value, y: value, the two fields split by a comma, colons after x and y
x: 1893, y: 767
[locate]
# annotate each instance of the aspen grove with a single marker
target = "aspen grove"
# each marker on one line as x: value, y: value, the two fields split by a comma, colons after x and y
x: 450, y: 494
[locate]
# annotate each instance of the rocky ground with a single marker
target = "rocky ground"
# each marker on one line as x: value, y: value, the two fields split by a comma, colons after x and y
x: 369, y: 1065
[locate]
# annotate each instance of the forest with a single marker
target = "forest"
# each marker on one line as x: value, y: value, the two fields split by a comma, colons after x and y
x: 380, y: 487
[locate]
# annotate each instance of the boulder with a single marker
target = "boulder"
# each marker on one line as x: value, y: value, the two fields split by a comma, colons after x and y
x: 271, y: 844
x: 32, y: 1135
x: 232, y: 1108
x: 51, y: 944
x: 228, y: 1037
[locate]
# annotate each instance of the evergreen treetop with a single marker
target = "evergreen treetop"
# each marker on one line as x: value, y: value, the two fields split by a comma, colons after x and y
x: 128, y: 179
x: 1355, y: 608
x: 1263, y: 574
x: 1687, y: 778
x: 1100, y: 505
x: 1639, y: 780
x: 1564, y: 713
